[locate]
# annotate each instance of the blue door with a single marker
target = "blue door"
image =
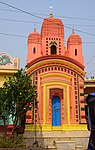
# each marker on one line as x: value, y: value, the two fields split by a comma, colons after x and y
x: 56, y: 111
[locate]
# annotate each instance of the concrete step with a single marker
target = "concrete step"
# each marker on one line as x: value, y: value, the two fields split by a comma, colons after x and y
x: 58, y: 134
x: 51, y: 147
x: 79, y: 147
x: 66, y: 134
x: 69, y: 140
x: 65, y: 145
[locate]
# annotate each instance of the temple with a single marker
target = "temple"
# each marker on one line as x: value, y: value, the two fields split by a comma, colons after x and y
x: 57, y: 70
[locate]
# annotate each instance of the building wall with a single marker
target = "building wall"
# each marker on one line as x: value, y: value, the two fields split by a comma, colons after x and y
x: 8, y: 66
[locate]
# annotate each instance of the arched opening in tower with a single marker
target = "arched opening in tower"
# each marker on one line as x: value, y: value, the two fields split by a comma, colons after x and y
x: 53, y: 49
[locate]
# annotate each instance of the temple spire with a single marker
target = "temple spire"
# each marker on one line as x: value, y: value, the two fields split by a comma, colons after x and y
x: 72, y: 30
x: 34, y: 28
x: 51, y: 15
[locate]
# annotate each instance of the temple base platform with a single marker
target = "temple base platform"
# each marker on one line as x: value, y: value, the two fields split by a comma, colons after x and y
x: 57, y: 138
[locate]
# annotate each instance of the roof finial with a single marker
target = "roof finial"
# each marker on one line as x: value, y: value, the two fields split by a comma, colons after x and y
x: 72, y: 30
x: 51, y: 15
x: 34, y: 27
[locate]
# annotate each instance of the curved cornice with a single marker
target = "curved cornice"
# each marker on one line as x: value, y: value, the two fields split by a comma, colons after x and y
x: 55, y: 57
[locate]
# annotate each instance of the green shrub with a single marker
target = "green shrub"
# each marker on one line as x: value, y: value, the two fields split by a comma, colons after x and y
x: 13, y: 142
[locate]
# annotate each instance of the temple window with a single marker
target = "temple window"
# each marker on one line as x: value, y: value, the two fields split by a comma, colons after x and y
x: 75, y: 52
x: 68, y: 71
x: 55, y: 68
x: 34, y: 50
x: 53, y: 49
x: 49, y: 69
x: 61, y: 69
x: 42, y: 70
x: 74, y: 74
x: 45, y: 69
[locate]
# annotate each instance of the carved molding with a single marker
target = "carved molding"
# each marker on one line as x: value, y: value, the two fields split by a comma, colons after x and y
x: 56, y: 92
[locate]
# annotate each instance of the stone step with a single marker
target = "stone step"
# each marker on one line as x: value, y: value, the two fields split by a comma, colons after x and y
x: 51, y: 147
x: 66, y: 134
x: 63, y: 139
x: 79, y: 147
x: 65, y: 145
x: 58, y: 134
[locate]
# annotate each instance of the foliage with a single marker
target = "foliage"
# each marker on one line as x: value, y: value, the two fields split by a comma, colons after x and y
x: 16, y: 97
x: 13, y: 142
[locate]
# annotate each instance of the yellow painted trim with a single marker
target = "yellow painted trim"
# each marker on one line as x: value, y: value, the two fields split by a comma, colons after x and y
x: 56, y: 128
x: 72, y: 96
x: 68, y: 105
x: 55, y: 74
x: 47, y: 104
x: 82, y: 82
x: 74, y: 127
x: 44, y: 121
x: 6, y: 71
x: 38, y: 87
x: 51, y: 86
x: 65, y: 127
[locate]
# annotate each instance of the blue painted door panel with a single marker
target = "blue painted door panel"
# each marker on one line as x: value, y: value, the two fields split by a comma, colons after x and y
x: 56, y: 111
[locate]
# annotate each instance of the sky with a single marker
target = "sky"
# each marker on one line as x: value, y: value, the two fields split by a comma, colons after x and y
x: 16, y: 25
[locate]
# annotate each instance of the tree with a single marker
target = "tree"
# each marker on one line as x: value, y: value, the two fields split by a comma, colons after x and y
x: 16, y: 97
x: 4, y: 109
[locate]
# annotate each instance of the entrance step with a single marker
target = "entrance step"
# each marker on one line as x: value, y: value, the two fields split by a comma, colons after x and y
x: 79, y: 147
x: 65, y: 145
x: 62, y: 140
x: 51, y: 147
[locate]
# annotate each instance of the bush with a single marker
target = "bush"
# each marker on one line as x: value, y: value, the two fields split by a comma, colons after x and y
x: 13, y: 142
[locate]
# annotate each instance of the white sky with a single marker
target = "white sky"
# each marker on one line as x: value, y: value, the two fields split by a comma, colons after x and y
x: 67, y: 10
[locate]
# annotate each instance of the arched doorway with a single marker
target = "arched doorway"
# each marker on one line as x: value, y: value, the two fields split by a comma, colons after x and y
x: 53, y: 49
x: 56, y: 118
